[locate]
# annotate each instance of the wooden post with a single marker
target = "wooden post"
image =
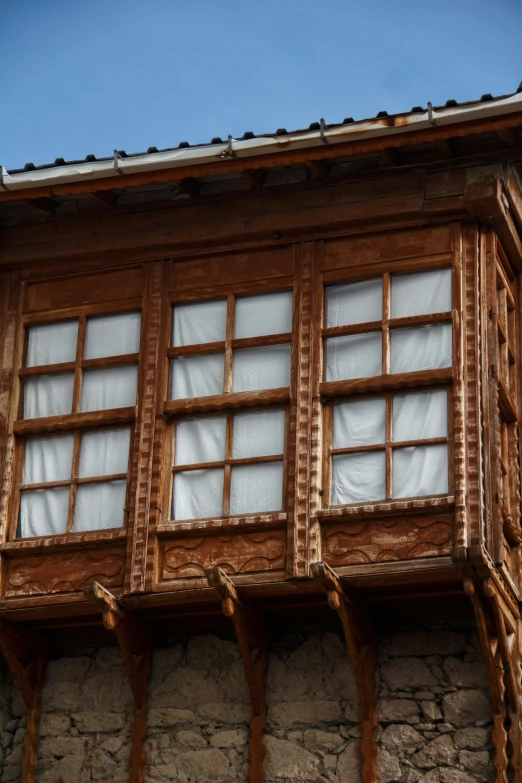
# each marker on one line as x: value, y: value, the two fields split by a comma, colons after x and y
x: 24, y: 656
x: 137, y: 656
x: 253, y: 646
x: 362, y: 649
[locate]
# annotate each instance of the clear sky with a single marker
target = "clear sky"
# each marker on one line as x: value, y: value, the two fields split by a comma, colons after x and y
x: 89, y: 76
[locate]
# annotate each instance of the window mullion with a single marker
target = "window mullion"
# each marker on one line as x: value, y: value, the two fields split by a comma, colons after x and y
x: 389, y: 439
x: 231, y: 303
x: 227, y: 479
x: 74, y: 476
x: 386, y: 296
x: 77, y: 389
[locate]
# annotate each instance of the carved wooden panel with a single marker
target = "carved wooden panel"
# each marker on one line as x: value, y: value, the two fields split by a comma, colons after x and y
x: 384, y: 540
x: 63, y: 572
x: 238, y: 553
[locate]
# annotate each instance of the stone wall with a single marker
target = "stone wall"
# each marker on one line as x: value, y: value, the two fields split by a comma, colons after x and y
x: 433, y: 710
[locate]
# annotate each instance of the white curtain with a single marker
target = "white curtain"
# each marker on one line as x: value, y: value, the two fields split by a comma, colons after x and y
x: 113, y: 335
x: 43, y: 512
x: 258, y: 433
x: 197, y: 376
x: 198, y: 494
x: 359, y: 423
x: 195, y: 324
x: 99, y: 506
x: 200, y: 440
x: 421, y: 293
x: 256, y: 488
x: 109, y: 388
x: 420, y: 348
x: 48, y: 395
x: 52, y: 343
x: 265, y: 314
x: 354, y: 356
x: 420, y: 415
x: 354, y: 303
x: 357, y: 478
x: 48, y: 458
x: 104, y: 452
x: 420, y: 471
x: 261, y: 368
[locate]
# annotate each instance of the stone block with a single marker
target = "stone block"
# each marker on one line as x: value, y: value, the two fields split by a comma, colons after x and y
x: 305, y: 712
x: 223, y: 712
x: 185, y: 687
x: 464, y: 707
x: 233, y: 738
x: 169, y: 716
x: 401, y: 710
x: 388, y: 767
x: 426, y: 643
x: 203, y: 765
x: 399, y: 738
x: 54, y: 723
x: 447, y: 775
x: 286, y: 760
x: 477, y: 762
x: 465, y: 675
x: 93, y: 722
x: 62, y: 746
x: 315, y: 739
x: 472, y: 738
x: 439, y: 752
x: 402, y: 673
x: 349, y: 764
x: 430, y: 710
x: 191, y: 739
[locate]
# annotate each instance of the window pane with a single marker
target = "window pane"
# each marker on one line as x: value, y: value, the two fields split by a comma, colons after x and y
x: 99, y: 506
x: 48, y: 395
x: 261, y: 368
x: 200, y: 440
x: 266, y: 314
x: 113, y: 335
x: 258, y: 433
x: 43, y: 512
x: 357, y: 478
x: 256, y: 488
x: 197, y: 376
x: 48, y: 458
x: 421, y: 294
x: 194, y: 324
x: 354, y: 356
x: 420, y: 471
x: 198, y: 494
x: 420, y: 415
x: 52, y: 343
x: 359, y: 423
x: 104, y: 452
x: 354, y: 303
x: 111, y: 388
x: 422, y: 348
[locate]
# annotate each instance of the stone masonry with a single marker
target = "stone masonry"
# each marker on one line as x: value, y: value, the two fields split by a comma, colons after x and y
x: 433, y: 708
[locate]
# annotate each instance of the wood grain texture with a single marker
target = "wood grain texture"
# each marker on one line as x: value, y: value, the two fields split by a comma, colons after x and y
x: 457, y: 443
x: 235, y: 554
x: 88, y: 289
x: 232, y: 269
x: 385, y: 540
x: 63, y: 572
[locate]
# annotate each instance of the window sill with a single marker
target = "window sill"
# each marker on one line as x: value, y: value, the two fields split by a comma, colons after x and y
x: 222, y: 523
x: 384, y: 508
x: 44, y: 543
x: 230, y: 401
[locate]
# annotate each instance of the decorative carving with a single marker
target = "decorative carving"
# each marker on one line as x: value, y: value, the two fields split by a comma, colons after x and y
x: 64, y: 572
x: 383, y: 540
x: 235, y: 554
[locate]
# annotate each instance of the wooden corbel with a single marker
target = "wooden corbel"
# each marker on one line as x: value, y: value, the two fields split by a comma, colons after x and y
x: 499, y: 633
x: 253, y: 646
x: 362, y: 649
x: 136, y: 650
x: 24, y: 655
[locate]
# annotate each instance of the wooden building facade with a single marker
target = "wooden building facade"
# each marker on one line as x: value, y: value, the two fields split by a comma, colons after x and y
x: 261, y: 369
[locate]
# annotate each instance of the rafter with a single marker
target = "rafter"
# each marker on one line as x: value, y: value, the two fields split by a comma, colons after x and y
x: 42, y: 204
x: 136, y: 651
x: 24, y: 655
x: 253, y: 646
x: 444, y: 147
x: 318, y: 168
x: 362, y: 649
x: 104, y: 197
x: 254, y: 177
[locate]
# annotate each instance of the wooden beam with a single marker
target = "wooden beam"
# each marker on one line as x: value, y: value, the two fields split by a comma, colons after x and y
x: 104, y: 197
x: 317, y: 168
x: 41, y: 204
x: 24, y: 655
x: 362, y: 649
x: 189, y: 186
x: 444, y: 147
x: 508, y: 136
x: 255, y: 178
x: 253, y: 646
x: 390, y: 157
x: 136, y: 651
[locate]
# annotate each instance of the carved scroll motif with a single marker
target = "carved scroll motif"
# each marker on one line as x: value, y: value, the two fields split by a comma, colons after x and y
x: 63, y: 572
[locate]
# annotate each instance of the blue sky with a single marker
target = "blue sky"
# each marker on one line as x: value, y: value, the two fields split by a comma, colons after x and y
x: 88, y: 76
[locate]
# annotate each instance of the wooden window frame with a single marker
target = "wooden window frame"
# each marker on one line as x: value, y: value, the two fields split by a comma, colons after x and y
x: 77, y: 422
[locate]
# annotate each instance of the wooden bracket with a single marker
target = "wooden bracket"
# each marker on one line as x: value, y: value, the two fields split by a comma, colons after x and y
x: 136, y: 650
x: 253, y: 646
x: 499, y: 632
x: 361, y: 641
x: 24, y: 655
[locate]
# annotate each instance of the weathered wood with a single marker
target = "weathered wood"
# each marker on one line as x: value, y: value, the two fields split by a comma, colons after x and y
x: 24, y: 654
x: 136, y: 650
x: 253, y: 646
x: 362, y: 649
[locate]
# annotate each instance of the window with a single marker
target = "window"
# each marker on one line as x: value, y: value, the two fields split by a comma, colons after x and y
x: 73, y: 466
x: 386, y: 335
x: 225, y: 356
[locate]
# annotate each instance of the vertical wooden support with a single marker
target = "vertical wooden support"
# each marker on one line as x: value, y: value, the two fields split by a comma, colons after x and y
x: 253, y: 646
x: 24, y: 656
x: 137, y: 656
x: 499, y: 634
x: 362, y: 649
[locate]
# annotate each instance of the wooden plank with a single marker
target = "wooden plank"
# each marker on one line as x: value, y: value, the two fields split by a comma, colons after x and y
x: 87, y: 289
